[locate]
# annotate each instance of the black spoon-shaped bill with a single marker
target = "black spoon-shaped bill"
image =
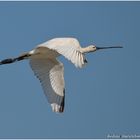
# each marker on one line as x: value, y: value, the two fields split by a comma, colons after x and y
x: 112, y: 47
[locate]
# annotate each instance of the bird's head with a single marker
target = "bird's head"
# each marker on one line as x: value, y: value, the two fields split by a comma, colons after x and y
x: 95, y: 48
x: 91, y: 48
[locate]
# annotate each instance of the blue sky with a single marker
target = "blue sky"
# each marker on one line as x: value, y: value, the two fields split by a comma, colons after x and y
x: 101, y: 99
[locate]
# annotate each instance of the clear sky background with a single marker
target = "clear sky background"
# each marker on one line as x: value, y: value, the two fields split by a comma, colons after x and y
x: 101, y: 99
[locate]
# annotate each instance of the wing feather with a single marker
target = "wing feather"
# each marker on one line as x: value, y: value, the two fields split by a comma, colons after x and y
x: 50, y: 73
x: 68, y: 47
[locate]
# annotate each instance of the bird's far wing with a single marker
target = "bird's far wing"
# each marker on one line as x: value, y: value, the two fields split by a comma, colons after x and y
x: 71, y: 52
x: 50, y: 73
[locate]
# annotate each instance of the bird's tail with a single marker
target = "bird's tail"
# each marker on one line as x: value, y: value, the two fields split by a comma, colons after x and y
x: 12, y: 60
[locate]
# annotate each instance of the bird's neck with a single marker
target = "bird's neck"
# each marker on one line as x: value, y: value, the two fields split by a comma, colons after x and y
x: 88, y: 49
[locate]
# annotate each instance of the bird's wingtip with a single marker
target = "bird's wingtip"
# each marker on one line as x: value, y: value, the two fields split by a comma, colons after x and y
x: 57, y: 108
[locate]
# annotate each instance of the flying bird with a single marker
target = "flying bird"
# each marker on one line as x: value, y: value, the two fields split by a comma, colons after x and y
x: 50, y: 71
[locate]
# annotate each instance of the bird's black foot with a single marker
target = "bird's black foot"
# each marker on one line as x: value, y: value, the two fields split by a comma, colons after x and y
x: 7, y: 61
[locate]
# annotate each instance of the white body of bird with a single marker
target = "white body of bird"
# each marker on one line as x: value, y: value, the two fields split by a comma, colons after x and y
x: 44, y: 63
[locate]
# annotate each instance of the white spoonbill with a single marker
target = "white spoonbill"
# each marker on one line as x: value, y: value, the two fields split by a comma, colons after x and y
x: 44, y: 63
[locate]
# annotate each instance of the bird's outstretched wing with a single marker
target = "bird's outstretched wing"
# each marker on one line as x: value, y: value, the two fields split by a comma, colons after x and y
x: 69, y: 48
x: 50, y: 73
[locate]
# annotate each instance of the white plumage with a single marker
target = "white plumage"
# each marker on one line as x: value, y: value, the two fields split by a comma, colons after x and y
x: 49, y: 70
x: 68, y: 47
x: 50, y: 73
x: 44, y: 63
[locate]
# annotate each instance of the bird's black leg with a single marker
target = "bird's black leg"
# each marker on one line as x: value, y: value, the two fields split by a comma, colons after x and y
x: 7, y: 61
x: 12, y: 60
x: 23, y: 56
